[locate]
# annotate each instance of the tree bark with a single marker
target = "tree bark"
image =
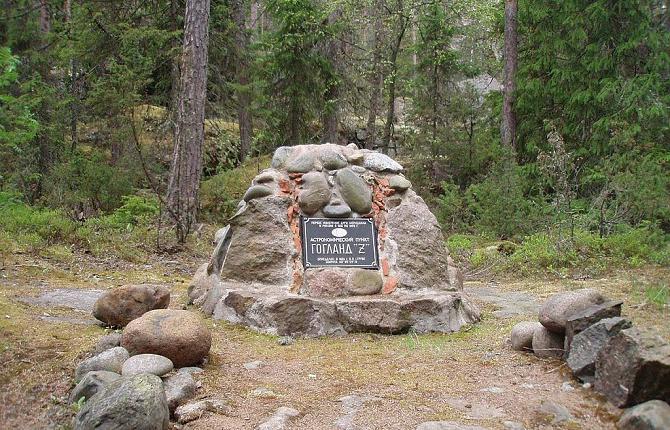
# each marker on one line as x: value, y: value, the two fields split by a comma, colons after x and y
x: 330, y: 116
x: 393, y: 61
x: 186, y: 168
x: 508, y: 125
x: 242, y: 75
x: 376, y: 77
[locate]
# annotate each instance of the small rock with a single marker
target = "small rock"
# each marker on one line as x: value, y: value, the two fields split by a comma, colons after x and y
x: 381, y: 163
x: 196, y: 410
x: 147, y: 363
x: 555, y: 312
x: 179, y: 335
x: 587, y: 344
x: 337, y: 209
x: 513, y: 425
x: 279, y: 419
x: 567, y: 387
x: 331, y: 160
x: 358, y: 169
x: 110, y: 360
x: 447, y: 425
x: 559, y: 412
x: 91, y: 383
x: 315, y: 193
x: 356, y: 158
x: 263, y: 393
x: 495, y: 390
x: 253, y: 365
x: 256, y: 192
x: 399, y: 183
x: 108, y: 341
x: 522, y: 335
x: 586, y: 386
x: 582, y: 320
x: 547, y: 344
x: 191, y: 370
x: 279, y: 157
x: 135, y: 402
x: 651, y: 415
x: 634, y: 367
x: 179, y: 388
x: 121, y: 305
x: 286, y: 340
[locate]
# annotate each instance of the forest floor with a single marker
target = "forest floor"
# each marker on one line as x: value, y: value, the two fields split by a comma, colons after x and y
x: 351, y: 382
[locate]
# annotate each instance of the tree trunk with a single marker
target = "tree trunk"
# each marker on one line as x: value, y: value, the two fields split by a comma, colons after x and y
x: 186, y: 168
x: 329, y: 119
x: 393, y: 61
x: 508, y: 125
x: 242, y: 75
x: 376, y: 77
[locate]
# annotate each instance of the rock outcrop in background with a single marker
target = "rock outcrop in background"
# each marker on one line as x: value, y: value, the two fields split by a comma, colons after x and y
x: 256, y: 276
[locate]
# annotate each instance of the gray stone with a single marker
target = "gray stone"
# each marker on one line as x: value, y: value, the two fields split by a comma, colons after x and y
x: 399, y: 183
x: 509, y: 303
x: 315, y: 193
x: 351, y: 405
x: 332, y: 160
x: 72, y: 298
x: 581, y: 320
x: 365, y: 282
x: 558, y: 412
x: 355, y: 192
x: 337, y: 209
x: 252, y: 365
x: 200, y: 409
x: 634, y: 367
x: 91, y: 383
x: 191, y: 370
x: 121, y: 305
x: 301, y: 161
x: 280, y: 156
x: 581, y: 358
x: 513, y: 425
x: 261, y: 245
x: 110, y: 360
x: 456, y: 278
x: 179, y: 388
x: 358, y: 169
x: 356, y: 158
x: 256, y: 192
x: 268, y: 176
x: 181, y: 336
x: 201, y: 283
x: 381, y: 163
x: 522, y: 335
x: 417, y: 264
x: 285, y: 340
x: 147, y: 363
x: 108, y: 341
x: 554, y: 313
x: 294, y: 315
x: 547, y: 344
x: 136, y: 402
x: 651, y: 415
x: 280, y: 419
x: 447, y: 425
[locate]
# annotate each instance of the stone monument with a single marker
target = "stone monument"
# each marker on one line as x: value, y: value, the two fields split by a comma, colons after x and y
x: 331, y: 240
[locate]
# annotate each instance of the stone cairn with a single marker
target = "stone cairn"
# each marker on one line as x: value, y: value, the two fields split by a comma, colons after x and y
x: 256, y: 276
x: 141, y: 377
x: 629, y: 366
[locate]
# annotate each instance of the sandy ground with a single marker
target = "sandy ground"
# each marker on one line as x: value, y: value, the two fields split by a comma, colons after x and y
x: 353, y: 382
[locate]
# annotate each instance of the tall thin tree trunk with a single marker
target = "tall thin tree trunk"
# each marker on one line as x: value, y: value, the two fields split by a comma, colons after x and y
x: 242, y: 75
x: 74, y: 84
x: 330, y: 117
x: 393, y: 61
x: 186, y: 168
x: 508, y: 125
x: 376, y: 77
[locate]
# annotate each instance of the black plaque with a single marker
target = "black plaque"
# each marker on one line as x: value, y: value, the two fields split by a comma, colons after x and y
x: 339, y: 242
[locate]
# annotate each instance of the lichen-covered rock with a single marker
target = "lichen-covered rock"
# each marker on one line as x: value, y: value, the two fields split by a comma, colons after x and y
x: 554, y: 313
x: 111, y: 360
x: 355, y: 192
x: 332, y: 160
x: 181, y: 336
x: 121, y: 305
x: 91, y: 383
x: 196, y: 410
x: 136, y: 402
x: 378, y: 162
x: 585, y: 346
x: 547, y: 344
x: 416, y: 241
x: 179, y: 388
x: 280, y: 156
x: 522, y: 335
x: 315, y: 193
x: 633, y: 367
x: 651, y: 415
x: 147, y: 363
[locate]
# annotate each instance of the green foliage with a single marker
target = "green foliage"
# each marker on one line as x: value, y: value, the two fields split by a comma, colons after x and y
x: 17, y: 124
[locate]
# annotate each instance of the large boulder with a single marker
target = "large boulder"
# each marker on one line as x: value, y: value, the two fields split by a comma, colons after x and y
x: 121, y: 305
x: 580, y: 321
x: 554, y: 313
x: 651, y: 415
x: 181, y: 336
x: 547, y: 344
x: 132, y: 403
x: 634, y: 367
x: 110, y: 360
x: 587, y: 344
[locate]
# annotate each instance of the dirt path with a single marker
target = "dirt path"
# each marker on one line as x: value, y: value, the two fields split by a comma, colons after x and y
x: 353, y: 382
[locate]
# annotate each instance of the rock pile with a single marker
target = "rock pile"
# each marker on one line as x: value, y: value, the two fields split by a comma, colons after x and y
x: 630, y: 366
x: 257, y: 277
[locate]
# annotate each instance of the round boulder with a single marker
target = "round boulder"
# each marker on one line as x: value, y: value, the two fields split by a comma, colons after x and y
x: 547, y: 344
x: 181, y: 336
x: 355, y: 192
x: 522, y: 335
x: 315, y: 192
x: 147, y: 363
x: 136, y: 402
x: 555, y: 312
x: 121, y: 305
